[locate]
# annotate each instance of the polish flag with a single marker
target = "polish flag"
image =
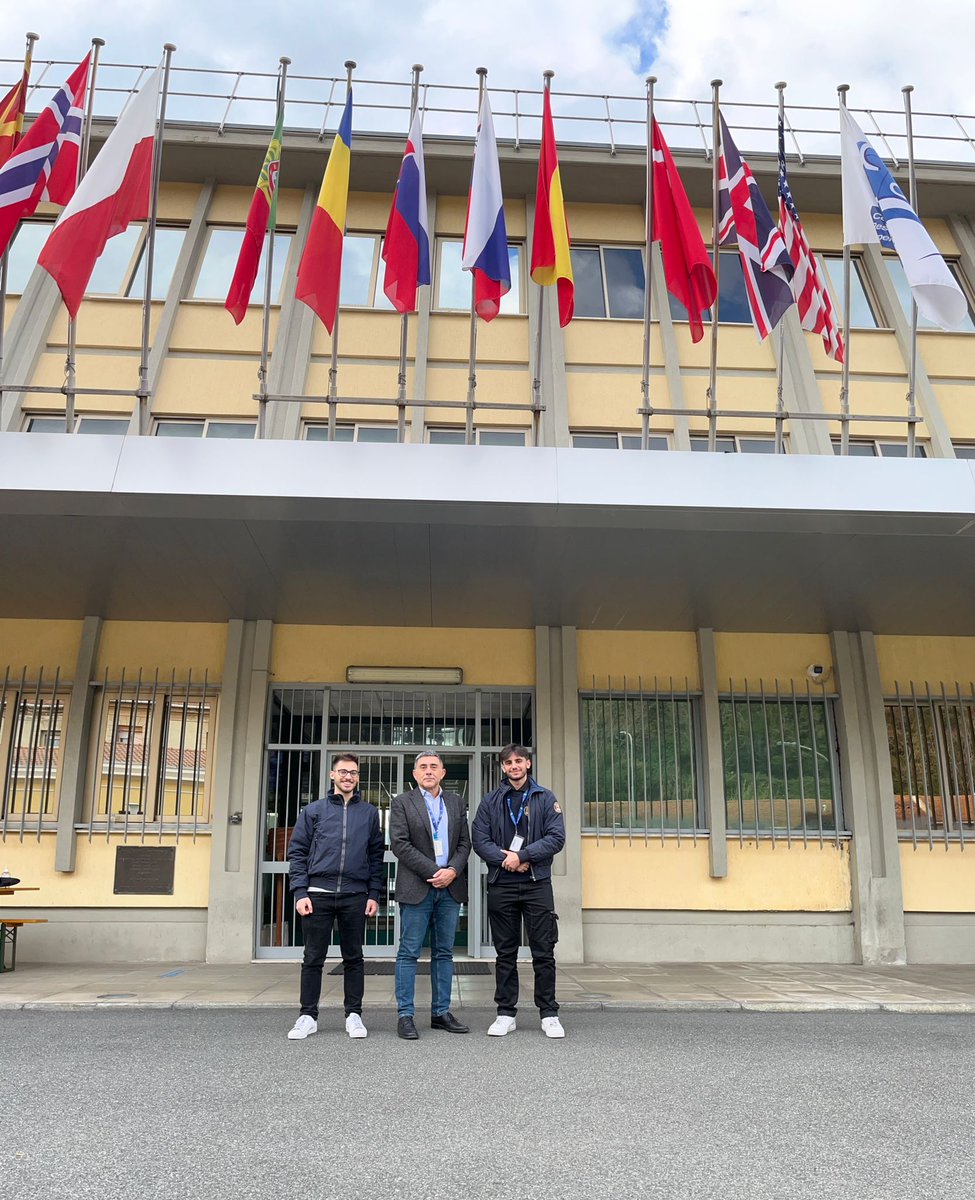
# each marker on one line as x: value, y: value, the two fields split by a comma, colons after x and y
x: 115, y: 192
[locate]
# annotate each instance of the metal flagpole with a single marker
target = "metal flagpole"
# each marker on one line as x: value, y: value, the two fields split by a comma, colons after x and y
x: 648, y: 284
x: 70, y: 377
x: 28, y: 55
x: 845, y: 378
x: 472, y: 347
x: 780, y: 357
x: 333, y: 369
x: 912, y: 195
x: 269, y: 264
x: 143, y: 392
x: 547, y: 77
x: 715, y: 212
x: 404, y: 324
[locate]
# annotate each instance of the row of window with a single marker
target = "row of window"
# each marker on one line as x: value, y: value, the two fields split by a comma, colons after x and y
x: 609, y: 280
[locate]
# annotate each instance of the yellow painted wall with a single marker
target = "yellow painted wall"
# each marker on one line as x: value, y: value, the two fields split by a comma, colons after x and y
x: 938, y: 880
x: 230, y: 204
x: 36, y: 644
x: 321, y: 653
x: 452, y: 217
x: 762, y: 877
x: 168, y: 645
x: 957, y: 401
x: 926, y: 660
x: 90, y: 884
x: 767, y: 657
x: 628, y: 655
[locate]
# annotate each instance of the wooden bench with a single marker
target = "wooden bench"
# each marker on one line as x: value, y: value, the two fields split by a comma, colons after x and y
x: 8, y: 937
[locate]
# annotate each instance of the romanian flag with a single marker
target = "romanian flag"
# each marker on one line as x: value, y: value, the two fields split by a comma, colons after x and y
x: 12, y: 108
x: 263, y: 215
x: 551, y: 260
x: 320, y: 269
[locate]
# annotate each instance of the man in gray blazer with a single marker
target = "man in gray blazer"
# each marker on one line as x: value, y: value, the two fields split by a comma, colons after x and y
x: 429, y: 835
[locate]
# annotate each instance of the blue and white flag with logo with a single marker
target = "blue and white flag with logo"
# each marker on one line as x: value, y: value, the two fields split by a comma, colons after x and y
x: 876, y: 210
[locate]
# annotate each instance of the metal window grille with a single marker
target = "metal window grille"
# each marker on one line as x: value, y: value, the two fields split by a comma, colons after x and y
x: 781, y: 774
x: 640, y: 762
x: 931, y: 736
x: 151, y: 754
x: 31, y: 718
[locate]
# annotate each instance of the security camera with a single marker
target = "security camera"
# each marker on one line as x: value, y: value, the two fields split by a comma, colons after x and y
x: 817, y: 673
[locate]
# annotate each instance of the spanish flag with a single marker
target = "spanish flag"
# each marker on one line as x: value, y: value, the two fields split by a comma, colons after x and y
x: 261, y: 217
x: 551, y: 260
x: 12, y: 108
x: 320, y: 269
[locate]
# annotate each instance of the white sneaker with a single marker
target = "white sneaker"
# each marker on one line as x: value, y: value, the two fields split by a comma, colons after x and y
x: 304, y: 1027
x: 502, y: 1027
x: 552, y: 1027
x: 354, y: 1026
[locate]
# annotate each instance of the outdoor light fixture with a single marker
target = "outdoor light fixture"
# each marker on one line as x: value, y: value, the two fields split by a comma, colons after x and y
x: 417, y: 675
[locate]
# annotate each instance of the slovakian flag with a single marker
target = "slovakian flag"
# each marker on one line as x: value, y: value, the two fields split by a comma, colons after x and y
x: 876, y: 210
x: 45, y: 164
x: 485, y: 250
x: 406, y: 247
x: 687, y: 264
x: 261, y: 217
x: 816, y: 312
x: 115, y: 191
x: 765, y: 261
x: 12, y: 109
x: 320, y: 269
x: 551, y: 256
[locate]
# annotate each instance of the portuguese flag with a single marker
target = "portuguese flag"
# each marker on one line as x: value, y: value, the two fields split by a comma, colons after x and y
x: 261, y: 217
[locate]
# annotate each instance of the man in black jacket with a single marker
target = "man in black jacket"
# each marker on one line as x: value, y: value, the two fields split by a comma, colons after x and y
x: 336, y: 856
x: 518, y: 830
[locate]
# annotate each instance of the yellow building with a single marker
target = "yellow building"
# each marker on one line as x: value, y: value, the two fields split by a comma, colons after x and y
x: 749, y: 676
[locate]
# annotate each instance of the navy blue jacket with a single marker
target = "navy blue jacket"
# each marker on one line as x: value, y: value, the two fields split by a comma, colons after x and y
x: 492, y: 831
x: 338, y: 847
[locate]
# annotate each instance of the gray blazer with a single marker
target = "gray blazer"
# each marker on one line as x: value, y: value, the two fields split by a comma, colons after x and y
x: 411, y: 840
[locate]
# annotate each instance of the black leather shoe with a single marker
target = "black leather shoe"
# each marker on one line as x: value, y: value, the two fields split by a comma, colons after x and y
x: 405, y: 1028
x: 447, y: 1021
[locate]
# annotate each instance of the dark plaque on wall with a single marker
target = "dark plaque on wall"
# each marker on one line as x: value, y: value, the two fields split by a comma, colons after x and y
x: 144, y: 870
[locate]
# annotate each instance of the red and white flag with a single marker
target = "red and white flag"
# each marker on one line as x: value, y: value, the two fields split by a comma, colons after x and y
x: 115, y: 192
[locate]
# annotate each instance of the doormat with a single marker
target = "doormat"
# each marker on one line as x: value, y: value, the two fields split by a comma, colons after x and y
x: 380, y: 967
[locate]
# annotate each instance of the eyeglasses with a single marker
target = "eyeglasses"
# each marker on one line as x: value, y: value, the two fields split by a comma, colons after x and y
x: 343, y: 771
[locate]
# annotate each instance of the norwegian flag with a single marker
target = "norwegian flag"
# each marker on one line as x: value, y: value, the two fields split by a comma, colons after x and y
x: 765, y: 261
x: 816, y: 312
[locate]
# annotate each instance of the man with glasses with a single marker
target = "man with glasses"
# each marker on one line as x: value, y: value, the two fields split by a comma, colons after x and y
x: 336, y: 856
x: 428, y: 834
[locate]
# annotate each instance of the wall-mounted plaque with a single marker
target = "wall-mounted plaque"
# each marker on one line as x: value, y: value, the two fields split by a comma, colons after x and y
x: 144, y: 870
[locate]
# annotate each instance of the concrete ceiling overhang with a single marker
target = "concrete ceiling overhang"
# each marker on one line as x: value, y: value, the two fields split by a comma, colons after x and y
x: 153, y: 529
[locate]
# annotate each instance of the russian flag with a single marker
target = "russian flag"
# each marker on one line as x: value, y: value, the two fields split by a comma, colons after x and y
x: 406, y: 249
x: 485, y: 237
x: 114, y: 193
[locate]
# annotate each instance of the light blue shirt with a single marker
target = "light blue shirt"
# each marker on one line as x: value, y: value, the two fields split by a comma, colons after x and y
x: 437, y: 812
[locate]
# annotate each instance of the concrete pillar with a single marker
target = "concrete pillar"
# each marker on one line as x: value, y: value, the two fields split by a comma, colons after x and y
x: 25, y: 342
x: 712, y: 773
x: 800, y: 389
x: 237, y: 782
x: 417, y: 415
x: 554, y: 423
x: 557, y: 766
x: 868, y: 790
x: 668, y: 338
x: 77, y: 739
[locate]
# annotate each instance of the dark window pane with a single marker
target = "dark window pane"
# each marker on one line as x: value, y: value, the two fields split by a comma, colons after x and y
x: 179, y: 429
x: 861, y: 314
x: 633, y: 442
x: 377, y: 433
x: 104, y: 425
x: 447, y: 437
x: 588, y: 279
x: 723, y: 445
x: 625, y: 281
x: 46, y: 425
x: 756, y: 445
x: 732, y: 300
x: 595, y: 441
x: 501, y: 437
x: 237, y: 430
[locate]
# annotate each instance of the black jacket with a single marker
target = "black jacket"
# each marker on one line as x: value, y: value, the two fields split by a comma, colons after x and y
x: 338, y: 847
x: 492, y: 831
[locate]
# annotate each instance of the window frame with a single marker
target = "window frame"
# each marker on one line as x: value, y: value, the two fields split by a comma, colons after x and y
x: 206, y: 424
x: 517, y: 285
x: 621, y: 440
x: 601, y: 248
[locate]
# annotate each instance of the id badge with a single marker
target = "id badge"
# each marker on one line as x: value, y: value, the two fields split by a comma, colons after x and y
x: 516, y: 843
x: 439, y: 848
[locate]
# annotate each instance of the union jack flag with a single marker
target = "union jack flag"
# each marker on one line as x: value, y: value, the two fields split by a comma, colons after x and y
x: 765, y: 261
x: 816, y: 312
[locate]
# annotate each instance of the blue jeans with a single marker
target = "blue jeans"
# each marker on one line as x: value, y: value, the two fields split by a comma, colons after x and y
x: 439, y: 913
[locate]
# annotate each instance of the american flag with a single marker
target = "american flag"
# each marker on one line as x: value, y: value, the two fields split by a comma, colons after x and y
x: 816, y: 312
x: 765, y: 261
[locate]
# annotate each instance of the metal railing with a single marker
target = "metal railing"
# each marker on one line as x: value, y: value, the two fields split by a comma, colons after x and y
x: 32, y: 713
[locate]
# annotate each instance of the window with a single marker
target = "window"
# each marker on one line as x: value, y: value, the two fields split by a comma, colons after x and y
x: 454, y: 284
x: 31, y: 721
x: 485, y: 437
x: 870, y: 448
x: 362, y: 272
x: 609, y: 280
x: 616, y: 441
x: 732, y: 298
x: 779, y: 765
x: 22, y: 256
x: 121, y: 269
x: 113, y: 426
x: 734, y: 444
x: 639, y: 762
x: 219, y: 260
x: 353, y: 433
x: 964, y: 449
x: 902, y: 287
x: 240, y: 430
x: 862, y: 314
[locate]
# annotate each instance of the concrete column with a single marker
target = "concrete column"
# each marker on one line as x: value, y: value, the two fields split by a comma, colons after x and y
x: 800, y: 389
x: 557, y: 766
x: 671, y: 364
x: 25, y: 342
x: 77, y: 738
x: 554, y: 423
x: 868, y: 790
x: 237, y: 782
x: 712, y: 773
x: 424, y: 304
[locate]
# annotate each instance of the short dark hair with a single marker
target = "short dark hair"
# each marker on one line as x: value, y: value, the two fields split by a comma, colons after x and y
x: 429, y: 754
x: 345, y: 756
x: 513, y: 750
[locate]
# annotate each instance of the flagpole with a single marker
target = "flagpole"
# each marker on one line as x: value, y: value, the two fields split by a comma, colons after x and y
x: 912, y: 195
x: 404, y: 323
x: 70, y: 376
x: 715, y: 213
x: 648, y: 285
x: 780, y: 363
x: 28, y: 55
x: 845, y: 377
x: 285, y: 62
x: 547, y: 77
x: 333, y: 369
x: 472, y: 348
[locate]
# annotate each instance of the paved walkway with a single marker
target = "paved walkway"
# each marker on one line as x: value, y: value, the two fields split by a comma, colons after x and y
x: 753, y: 987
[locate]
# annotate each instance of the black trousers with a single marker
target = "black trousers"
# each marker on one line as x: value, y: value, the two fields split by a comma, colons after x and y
x: 508, y: 904
x: 349, y: 912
